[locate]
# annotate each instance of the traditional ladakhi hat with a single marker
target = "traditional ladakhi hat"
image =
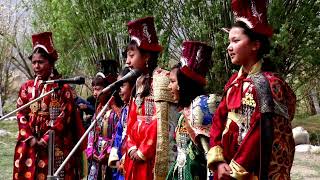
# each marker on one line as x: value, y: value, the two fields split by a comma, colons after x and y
x: 143, y: 32
x: 196, y: 60
x: 44, y: 41
x: 254, y: 14
x: 110, y: 69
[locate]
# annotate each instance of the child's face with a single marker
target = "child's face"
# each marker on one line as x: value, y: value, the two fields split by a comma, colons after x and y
x: 97, y: 90
x: 136, y: 60
x: 173, y: 85
x: 125, y: 92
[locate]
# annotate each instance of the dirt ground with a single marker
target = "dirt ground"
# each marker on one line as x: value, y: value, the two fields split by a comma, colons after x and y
x: 306, y: 166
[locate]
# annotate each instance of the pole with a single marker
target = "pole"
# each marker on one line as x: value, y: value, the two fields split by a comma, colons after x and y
x: 51, y: 157
x: 83, y: 136
x: 28, y: 104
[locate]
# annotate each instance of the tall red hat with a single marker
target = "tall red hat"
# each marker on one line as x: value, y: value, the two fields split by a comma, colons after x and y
x: 196, y: 60
x: 254, y: 14
x: 144, y: 33
x: 44, y: 41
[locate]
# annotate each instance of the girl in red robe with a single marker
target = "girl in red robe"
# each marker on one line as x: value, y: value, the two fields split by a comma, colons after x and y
x: 145, y: 116
x: 251, y: 134
x: 53, y: 112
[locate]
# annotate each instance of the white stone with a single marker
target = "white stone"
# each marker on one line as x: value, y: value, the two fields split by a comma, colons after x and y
x: 300, y: 135
x: 303, y: 148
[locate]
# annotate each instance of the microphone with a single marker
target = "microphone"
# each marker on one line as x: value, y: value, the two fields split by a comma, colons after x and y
x: 75, y: 80
x: 132, y: 75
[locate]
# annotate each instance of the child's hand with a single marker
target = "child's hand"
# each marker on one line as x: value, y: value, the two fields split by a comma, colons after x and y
x: 119, y: 167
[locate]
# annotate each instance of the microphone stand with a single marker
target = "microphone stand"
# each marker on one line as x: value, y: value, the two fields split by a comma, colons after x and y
x: 51, y: 132
x: 35, y: 100
x: 100, y: 114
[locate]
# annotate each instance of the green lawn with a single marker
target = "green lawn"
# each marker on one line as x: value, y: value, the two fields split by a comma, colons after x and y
x: 7, y: 145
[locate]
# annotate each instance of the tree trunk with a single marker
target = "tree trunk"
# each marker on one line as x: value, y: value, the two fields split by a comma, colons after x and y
x: 315, y: 101
x: 1, y: 113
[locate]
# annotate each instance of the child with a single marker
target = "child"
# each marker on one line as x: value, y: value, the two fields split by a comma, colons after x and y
x: 147, y: 136
x: 116, y: 156
x: 101, y: 137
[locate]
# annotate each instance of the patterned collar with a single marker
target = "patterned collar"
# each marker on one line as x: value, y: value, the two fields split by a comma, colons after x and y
x: 255, y: 69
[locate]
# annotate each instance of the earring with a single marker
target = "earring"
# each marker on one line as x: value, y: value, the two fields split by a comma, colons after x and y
x: 178, y: 87
x: 147, y: 65
x: 52, y: 73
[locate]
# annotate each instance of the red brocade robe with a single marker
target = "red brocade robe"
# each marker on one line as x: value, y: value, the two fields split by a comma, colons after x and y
x: 251, y: 129
x: 142, y: 135
x: 148, y: 121
x: 34, y: 121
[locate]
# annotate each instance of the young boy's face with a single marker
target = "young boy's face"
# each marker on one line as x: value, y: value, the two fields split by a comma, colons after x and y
x: 125, y: 92
x: 96, y: 91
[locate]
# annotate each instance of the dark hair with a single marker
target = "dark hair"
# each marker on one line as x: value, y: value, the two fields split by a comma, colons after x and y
x: 125, y: 71
x: 189, y: 89
x: 152, y: 64
x: 45, y: 55
x: 108, y: 66
x: 117, y: 99
x: 99, y: 81
x: 253, y: 36
x: 264, y: 45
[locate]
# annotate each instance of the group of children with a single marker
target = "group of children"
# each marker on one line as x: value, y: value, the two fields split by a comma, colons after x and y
x: 105, y: 140
x: 170, y: 128
x: 164, y: 125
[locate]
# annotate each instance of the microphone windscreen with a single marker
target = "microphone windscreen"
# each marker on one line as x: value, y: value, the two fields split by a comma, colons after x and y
x: 80, y: 80
x: 133, y: 74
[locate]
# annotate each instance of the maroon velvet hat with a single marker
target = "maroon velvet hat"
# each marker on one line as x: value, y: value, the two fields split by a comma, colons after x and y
x: 144, y: 33
x: 254, y: 14
x: 196, y: 60
x: 44, y: 41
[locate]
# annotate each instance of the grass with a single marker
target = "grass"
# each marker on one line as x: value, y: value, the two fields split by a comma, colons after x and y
x: 7, y: 145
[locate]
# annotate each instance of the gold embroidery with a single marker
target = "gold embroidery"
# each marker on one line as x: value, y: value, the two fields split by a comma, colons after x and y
x: 215, y: 154
x: 239, y: 172
x: 162, y: 97
x: 58, y: 152
x: 248, y: 100
x: 34, y: 107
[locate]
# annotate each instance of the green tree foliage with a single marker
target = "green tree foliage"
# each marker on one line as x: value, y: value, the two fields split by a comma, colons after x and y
x: 295, y: 48
x: 86, y: 31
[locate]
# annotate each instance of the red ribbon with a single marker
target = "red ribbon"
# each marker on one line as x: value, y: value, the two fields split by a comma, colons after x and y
x: 235, y: 95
